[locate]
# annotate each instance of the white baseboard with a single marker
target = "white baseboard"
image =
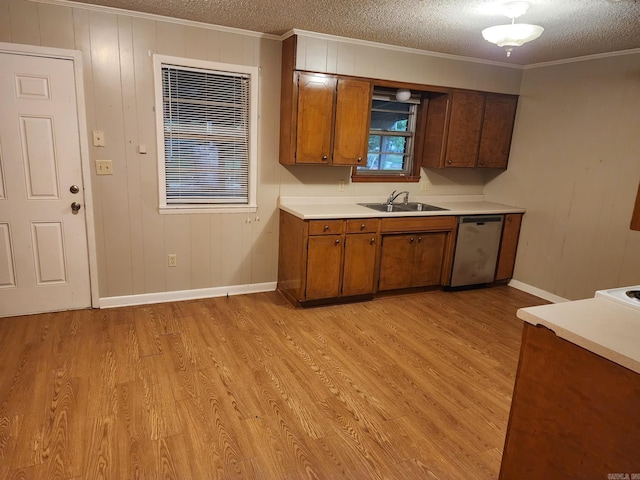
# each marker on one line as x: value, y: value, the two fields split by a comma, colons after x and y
x: 175, y: 296
x: 538, y: 292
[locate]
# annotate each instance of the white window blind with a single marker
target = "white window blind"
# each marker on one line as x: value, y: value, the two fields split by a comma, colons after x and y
x: 206, y: 116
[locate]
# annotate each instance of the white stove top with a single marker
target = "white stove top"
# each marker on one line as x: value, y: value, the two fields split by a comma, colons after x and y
x: 620, y: 295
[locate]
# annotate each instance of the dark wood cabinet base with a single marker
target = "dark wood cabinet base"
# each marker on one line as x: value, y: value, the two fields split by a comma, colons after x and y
x: 574, y: 414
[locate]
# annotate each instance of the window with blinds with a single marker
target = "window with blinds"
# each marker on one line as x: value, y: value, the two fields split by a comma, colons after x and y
x: 206, y: 127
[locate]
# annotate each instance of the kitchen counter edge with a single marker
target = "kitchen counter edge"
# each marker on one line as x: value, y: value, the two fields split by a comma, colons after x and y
x: 323, y: 210
x: 599, y: 325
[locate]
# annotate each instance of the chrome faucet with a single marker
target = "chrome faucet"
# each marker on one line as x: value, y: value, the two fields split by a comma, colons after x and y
x: 395, y: 195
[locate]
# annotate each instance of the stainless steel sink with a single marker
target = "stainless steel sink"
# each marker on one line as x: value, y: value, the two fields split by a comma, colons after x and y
x: 402, y: 207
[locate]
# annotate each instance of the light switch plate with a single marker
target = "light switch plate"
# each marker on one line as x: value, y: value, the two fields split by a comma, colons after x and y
x: 98, y: 138
x: 104, y: 167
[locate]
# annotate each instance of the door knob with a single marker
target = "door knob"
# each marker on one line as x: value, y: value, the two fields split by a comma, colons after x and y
x: 74, y: 189
x: 75, y: 206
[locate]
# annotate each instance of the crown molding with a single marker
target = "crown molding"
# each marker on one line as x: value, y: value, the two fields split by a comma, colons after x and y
x: 158, y: 18
x: 585, y: 58
x: 396, y: 48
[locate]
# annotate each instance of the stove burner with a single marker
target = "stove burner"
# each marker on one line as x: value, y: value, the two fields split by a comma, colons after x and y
x: 634, y: 294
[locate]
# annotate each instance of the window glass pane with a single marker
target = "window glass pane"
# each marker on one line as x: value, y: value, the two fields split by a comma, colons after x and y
x: 390, y: 116
x: 391, y: 136
x: 206, y: 136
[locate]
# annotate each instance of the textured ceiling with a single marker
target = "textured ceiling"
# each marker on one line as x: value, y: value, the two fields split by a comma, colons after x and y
x: 573, y: 28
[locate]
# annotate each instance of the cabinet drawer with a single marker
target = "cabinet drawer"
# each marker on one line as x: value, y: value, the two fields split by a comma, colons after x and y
x: 366, y: 225
x: 326, y: 227
x: 423, y: 224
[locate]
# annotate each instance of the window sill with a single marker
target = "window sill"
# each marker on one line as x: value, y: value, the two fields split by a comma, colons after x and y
x: 385, y: 178
x: 191, y: 209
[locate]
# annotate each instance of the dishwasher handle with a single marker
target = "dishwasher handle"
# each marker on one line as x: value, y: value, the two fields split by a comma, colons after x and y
x: 481, y: 220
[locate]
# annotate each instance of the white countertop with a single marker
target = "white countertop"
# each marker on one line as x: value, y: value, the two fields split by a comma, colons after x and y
x: 600, y: 325
x: 311, y: 208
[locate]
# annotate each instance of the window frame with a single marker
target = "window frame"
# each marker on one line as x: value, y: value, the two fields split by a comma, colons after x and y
x: 411, y: 174
x: 253, y: 73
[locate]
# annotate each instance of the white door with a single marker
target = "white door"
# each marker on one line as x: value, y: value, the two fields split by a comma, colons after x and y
x: 44, y: 262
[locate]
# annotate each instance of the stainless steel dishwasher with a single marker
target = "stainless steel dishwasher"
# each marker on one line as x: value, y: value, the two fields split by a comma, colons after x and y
x: 477, y: 248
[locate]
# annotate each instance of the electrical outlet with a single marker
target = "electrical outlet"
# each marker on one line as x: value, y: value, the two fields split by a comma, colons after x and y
x: 104, y: 167
x: 98, y: 138
x: 172, y: 260
x: 424, y: 185
x: 340, y: 185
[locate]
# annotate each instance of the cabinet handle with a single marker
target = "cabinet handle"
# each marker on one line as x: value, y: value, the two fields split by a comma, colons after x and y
x: 324, y: 158
x: 373, y: 240
x: 509, y: 218
x: 359, y: 159
x: 449, y: 162
x: 419, y: 239
x: 481, y: 162
x: 363, y: 226
x: 326, y: 227
x: 411, y: 239
x: 337, y: 242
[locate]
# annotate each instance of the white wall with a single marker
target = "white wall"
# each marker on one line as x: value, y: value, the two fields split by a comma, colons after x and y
x: 575, y: 167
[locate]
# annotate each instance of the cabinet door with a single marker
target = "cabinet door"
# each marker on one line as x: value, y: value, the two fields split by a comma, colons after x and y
x: 465, y: 124
x: 396, y: 261
x: 497, y: 127
x: 359, y: 264
x: 508, y: 246
x: 353, y: 113
x: 314, y: 130
x: 428, y: 259
x: 324, y: 262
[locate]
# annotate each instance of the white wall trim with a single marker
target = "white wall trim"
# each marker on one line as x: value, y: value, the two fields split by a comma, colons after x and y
x: 585, y: 58
x: 538, y: 292
x: 396, y: 48
x: 179, y: 295
x: 158, y: 18
x: 76, y: 57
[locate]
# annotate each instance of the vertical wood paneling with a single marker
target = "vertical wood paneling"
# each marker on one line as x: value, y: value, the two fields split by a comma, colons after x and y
x: 154, y: 252
x: 213, y: 45
x: 171, y: 39
x: 133, y: 158
x: 105, y: 56
x: 201, y: 250
x: 177, y: 235
x: 217, y: 249
x: 25, y: 27
x: 346, y: 59
x: 231, y: 230
x: 231, y: 48
x: 342, y: 57
x: 196, y: 43
x: 56, y: 26
x: 5, y: 22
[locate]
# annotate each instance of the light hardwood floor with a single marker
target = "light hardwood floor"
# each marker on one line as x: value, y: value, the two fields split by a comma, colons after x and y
x: 401, y: 387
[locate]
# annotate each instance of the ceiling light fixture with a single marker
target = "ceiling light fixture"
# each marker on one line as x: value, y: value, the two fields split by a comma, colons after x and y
x: 513, y: 34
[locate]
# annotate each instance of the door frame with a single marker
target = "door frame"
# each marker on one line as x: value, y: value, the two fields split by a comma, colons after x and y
x: 76, y: 57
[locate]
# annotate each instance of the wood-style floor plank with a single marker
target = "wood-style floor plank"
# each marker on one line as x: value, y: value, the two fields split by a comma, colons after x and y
x: 249, y: 387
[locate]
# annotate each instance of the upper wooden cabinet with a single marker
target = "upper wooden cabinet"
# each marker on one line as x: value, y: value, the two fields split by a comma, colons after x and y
x: 466, y: 128
x: 324, y: 119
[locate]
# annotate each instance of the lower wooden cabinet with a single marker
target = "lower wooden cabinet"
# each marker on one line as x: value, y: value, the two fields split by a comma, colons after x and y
x: 420, y: 258
x: 414, y: 260
x: 337, y: 258
x: 360, y: 252
x: 326, y: 259
x: 508, y: 246
x: 324, y: 262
